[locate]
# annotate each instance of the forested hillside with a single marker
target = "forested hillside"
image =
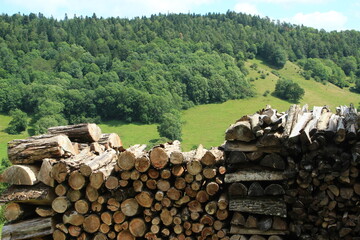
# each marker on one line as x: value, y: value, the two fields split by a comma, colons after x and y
x: 89, y: 68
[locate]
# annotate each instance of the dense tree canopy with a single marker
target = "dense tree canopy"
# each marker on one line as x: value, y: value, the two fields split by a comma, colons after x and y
x: 87, y: 68
x: 288, y: 90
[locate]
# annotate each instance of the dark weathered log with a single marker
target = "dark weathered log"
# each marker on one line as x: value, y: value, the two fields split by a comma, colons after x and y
x: 20, y: 175
x: 235, y: 157
x: 33, y: 149
x: 34, y: 228
x: 255, y: 190
x: 273, y: 161
x: 240, y: 131
x: 241, y: 230
x: 38, y: 194
x: 274, y: 190
x: 247, y: 147
x: 254, y: 175
x: 237, y: 189
x: 265, y: 223
x: 266, y: 206
x: 84, y: 132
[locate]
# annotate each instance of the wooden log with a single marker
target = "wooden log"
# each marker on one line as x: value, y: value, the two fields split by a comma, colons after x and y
x: 58, y: 235
x: 142, y: 164
x: 15, y: 211
x: 126, y: 159
x: 61, y: 189
x: 236, y: 157
x: 34, y: 149
x: 292, y: 117
x: 247, y: 147
x: 20, y: 175
x: 60, y: 204
x: 110, y: 140
x: 33, y: 228
x: 99, y: 176
x: 91, y: 223
x: 341, y: 131
x: 159, y: 158
x: 60, y: 171
x: 238, y: 219
x: 255, y: 190
x: 44, y: 174
x: 237, y: 189
x: 274, y: 190
x: 73, y: 218
x: 45, y: 211
x: 254, y: 175
x: 212, y: 157
x: 105, y: 159
x: 265, y: 223
x: 145, y: 199
x: 130, y: 207
x: 84, y: 132
x: 323, y: 122
x: 82, y: 206
x: 299, y: 126
x: 176, y: 157
x: 241, y: 230
x: 273, y: 160
x: 125, y: 235
x: 137, y: 227
x: 76, y: 180
x: 240, y: 131
x: 38, y: 194
x: 266, y: 206
x: 166, y: 217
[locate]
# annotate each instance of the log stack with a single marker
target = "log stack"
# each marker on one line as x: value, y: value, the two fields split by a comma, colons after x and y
x: 256, y: 177
x: 289, y: 175
x: 33, y: 199
x: 294, y: 175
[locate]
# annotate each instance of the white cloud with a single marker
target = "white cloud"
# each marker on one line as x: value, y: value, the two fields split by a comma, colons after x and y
x: 246, y: 8
x: 331, y: 20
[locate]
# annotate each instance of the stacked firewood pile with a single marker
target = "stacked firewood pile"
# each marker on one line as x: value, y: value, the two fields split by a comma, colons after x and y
x: 39, y: 164
x: 256, y: 177
x: 92, y: 188
x: 302, y: 165
x: 288, y: 175
x: 324, y: 197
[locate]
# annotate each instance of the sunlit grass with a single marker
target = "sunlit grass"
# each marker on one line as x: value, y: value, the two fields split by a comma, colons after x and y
x: 206, y: 124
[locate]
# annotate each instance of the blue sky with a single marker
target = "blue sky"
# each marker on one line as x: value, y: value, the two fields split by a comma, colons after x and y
x: 322, y: 14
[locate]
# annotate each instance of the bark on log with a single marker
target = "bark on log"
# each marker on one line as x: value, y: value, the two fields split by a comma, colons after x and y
x: 240, y: 131
x: 254, y: 175
x: 38, y: 194
x: 34, y: 228
x: 266, y: 206
x: 34, y: 149
x: 103, y: 160
x: 20, y: 175
x: 241, y: 230
x: 83, y: 133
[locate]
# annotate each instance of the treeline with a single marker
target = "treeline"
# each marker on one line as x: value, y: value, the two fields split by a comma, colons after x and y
x: 87, y: 68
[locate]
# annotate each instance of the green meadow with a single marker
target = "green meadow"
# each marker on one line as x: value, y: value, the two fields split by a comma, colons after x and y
x: 206, y: 124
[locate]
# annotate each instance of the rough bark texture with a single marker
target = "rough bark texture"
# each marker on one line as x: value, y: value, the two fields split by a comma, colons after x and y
x: 85, y: 132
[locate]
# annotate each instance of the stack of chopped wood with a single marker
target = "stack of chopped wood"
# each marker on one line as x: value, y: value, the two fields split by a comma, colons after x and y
x: 30, y: 210
x: 310, y: 156
x: 160, y: 194
x: 325, y: 194
x: 93, y: 189
x: 256, y: 179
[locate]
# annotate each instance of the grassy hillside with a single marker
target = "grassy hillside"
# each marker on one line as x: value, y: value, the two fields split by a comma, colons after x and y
x: 206, y: 123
